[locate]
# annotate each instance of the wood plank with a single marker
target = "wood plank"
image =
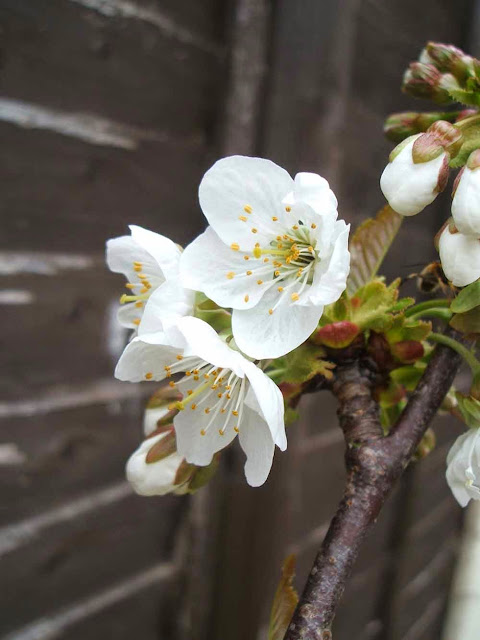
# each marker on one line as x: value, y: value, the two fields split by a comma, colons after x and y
x: 63, y: 55
x: 85, y: 555
x: 68, y: 195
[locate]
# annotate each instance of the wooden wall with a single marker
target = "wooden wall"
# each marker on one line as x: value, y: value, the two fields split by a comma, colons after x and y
x: 110, y: 112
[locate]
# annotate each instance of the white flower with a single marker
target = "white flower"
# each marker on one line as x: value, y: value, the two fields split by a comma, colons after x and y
x: 274, y: 252
x: 224, y: 394
x: 466, y: 202
x: 460, y: 256
x: 156, y: 476
x: 150, y: 263
x: 463, y: 467
x: 410, y: 186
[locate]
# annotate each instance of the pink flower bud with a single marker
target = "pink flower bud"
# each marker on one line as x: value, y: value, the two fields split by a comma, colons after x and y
x: 337, y: 335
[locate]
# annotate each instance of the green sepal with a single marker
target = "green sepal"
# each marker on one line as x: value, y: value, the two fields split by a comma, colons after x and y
x: 471, y: 142
x: 403, y: 329
x: 202, y: 475
x: 301, y: 365
x: 409, y: 375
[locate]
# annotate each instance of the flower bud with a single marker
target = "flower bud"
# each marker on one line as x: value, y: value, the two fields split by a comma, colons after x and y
x: 152, y: 469
x: 416, y: 173
x: 158, y: 412
x: 449, y: 59
x: 459, y: 255
x: 466, y: 197
x: 408, y: 351
x: 425, y: 81
x: 399, y: 126
x: 337, y: 335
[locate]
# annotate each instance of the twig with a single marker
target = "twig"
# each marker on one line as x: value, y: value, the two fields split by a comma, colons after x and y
x: 374, y: 463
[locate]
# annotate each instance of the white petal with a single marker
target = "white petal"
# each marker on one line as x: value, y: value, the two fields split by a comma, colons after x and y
x: 235, y: 183
x: 198, y: 449
x: 261, y: 335
x: 204, y: 266
x: 460, y: 257
x: 151, y: 418
x: 256, y: 441
x: 330, y: 276
x: 165, y: 252
x: 312, y: 189
x: 265, y: 398
x: 410, y: 187
x: 126, y: 315
x: 155, y: 478
x: 204, y: 342
x: 167, y: 303
x: 141, y: 357
x: 466, y: 203
x: 121, y: 253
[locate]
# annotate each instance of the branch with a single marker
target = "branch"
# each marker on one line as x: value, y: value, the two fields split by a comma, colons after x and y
x: 374, y: 463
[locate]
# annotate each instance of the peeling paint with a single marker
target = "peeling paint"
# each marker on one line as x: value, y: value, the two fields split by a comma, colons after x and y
x: 84, y: 126
x: 163, y: 22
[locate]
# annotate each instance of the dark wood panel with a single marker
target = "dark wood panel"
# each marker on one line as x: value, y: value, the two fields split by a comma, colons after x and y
x: 62, y: 55
x: 67, y: 454
x: 85, y: 555
x: 67, y: 195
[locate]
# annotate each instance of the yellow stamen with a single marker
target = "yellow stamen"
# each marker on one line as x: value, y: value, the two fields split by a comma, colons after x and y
x: 207, y: 410
x: 257, y: 252
x: 202, y: 432
x: 139, y: 304
x: 221, y: 432
x: 288, y: 209
x: 254, y: 230
x: 259, y: 281
x: 234, y: 413
x: 247, y: 208
x: 235, y: 246
x: 230, y: 275
x: 246, y: 257
x: 280, y: 289
x: 149, y: 375
x: 129, y: 285
x: 295, y: 296
x: 236, y: 429
x: 193, y: 407
x: 249, y: 273
x: 247, y: 298
x: 274, y: 218
x: 136, y: 321
x: 313, y: 225
x: 270, y: 311
x: 137, y: 268
x: 243, y: 218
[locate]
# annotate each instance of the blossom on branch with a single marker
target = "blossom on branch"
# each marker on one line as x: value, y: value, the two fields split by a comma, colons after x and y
x: 274, y: 252
x: 466, y: 199
x: 463, y: 467
x: 459, y: 255
x: 223, y: 394
x: 150, y: 262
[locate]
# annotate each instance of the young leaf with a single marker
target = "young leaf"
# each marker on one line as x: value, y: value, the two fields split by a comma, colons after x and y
x: 301, y: 365
x: 369, y: 245
x: 467, y: 299
x: 468, y: 322
x: 284, y: 603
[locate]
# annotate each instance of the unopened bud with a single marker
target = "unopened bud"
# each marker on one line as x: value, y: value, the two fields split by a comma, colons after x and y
x: 450, y: 59
x: 407, y: 351
x: 459, y: 255
x: 425, y: 81
x: 399, y: 126
x: 337, y: 335
x: 466, y: 197
x: 416, y: 173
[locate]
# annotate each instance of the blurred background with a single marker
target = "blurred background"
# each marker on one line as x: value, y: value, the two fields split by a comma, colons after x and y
x: 110, y: 112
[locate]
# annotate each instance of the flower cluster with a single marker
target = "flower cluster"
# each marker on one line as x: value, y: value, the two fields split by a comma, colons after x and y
x: 208, y: 320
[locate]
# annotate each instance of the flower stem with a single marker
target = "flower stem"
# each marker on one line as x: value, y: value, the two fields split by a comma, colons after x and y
x: 441, y: 314
x: 466, y: 354
x: 427, y: 304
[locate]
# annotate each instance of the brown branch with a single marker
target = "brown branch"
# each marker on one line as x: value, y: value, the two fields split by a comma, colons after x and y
x: 374, y: 463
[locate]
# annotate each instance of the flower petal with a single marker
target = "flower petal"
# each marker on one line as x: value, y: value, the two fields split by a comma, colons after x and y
x: 129, y: 316
x: 165, y: 252
x: 204, y: 342
x: 166, y: 304
x: 210, y: 266
x: 145, y: 358
x: 312, y: 189
x: 256, y: 441
x: 121, y: 253
x: 330, y: 276
x: 236, y: 185
x: 261, y: 335
x: 198, y: 449
x: 265, y: 398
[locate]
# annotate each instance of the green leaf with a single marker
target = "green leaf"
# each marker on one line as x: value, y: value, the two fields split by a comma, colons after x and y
x: 404, y: 329
x: 408, y: 376
x: 467, y: 299
x: 471, y: 141
x: 301, y: 365
x: 468, y: 322
x: 369, y: 246
x: 284, y: 602
x: 372, y: 304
